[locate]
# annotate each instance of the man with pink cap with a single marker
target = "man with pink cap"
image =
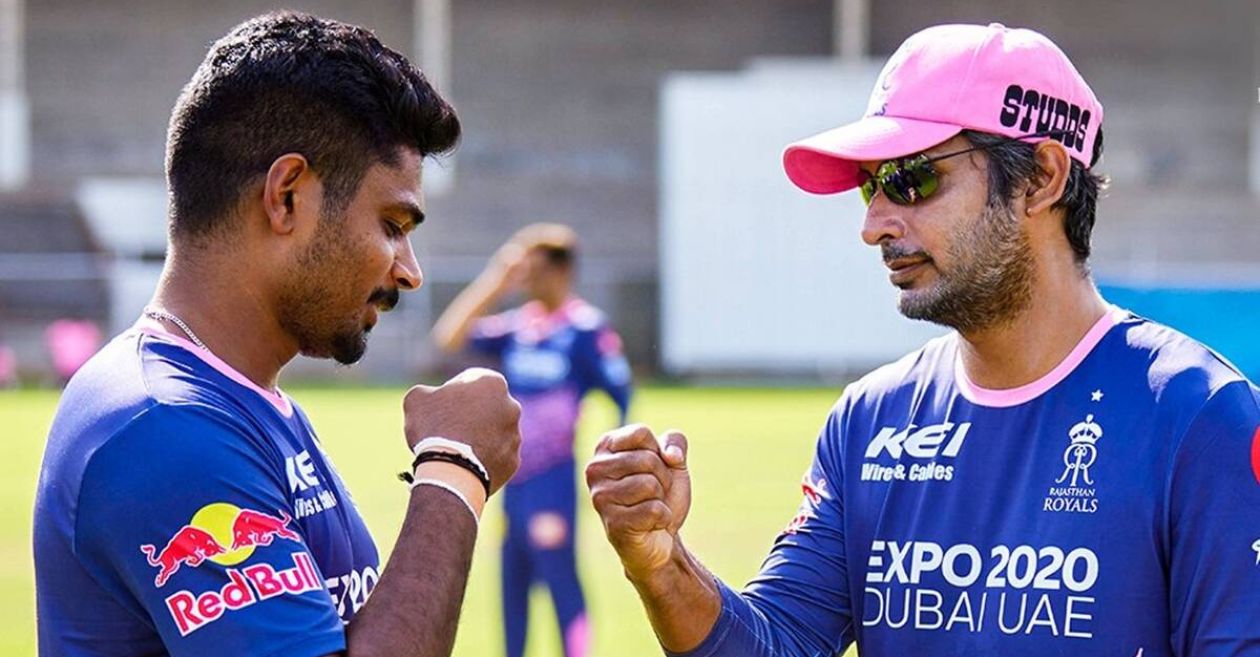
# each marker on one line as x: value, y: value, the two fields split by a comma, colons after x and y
x: 1057, y: 476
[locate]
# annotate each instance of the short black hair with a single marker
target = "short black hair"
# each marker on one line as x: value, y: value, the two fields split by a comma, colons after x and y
x: 289, y: 82
x: 1013, y: 163
x: 561, y: 257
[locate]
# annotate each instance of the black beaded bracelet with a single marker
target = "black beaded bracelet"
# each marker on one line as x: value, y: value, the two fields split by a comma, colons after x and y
x: 454, y: 459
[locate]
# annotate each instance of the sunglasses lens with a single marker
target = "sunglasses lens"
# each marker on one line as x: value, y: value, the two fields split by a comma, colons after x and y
x: 925, y: 178
x: 904, y: 182
x: 911, y: 181
x: 899, y: 186
x: 868, y: 190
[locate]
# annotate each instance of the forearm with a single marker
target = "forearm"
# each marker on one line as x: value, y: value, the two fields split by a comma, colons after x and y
x: 450, y: 332
x: 414, y: 609
x: 695, y: 615
x: 682, y: 601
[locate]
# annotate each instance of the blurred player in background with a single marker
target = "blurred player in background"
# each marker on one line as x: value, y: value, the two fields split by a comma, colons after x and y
x: 552, y: 350
x: 1055, y: 477
x: 185, y: 506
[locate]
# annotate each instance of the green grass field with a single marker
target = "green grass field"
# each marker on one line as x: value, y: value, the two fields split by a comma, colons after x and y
x: 748, y: 450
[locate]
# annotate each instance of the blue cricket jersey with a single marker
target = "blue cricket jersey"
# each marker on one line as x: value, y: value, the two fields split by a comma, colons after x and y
x: 1109, y: 509
x: 551, y: 360
x: 183, y: 510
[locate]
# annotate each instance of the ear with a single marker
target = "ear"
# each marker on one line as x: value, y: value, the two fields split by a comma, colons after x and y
x: 290, y: 187
x: 1046, y: 188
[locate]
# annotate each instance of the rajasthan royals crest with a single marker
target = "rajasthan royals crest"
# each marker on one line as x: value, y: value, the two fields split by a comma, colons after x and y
x: 1082, y: 452
x: 1073, y: 491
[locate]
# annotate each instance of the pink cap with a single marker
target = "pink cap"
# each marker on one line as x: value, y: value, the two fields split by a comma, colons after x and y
x: 950, y: 78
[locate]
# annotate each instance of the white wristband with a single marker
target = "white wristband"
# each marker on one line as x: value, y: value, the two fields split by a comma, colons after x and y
x: 437, y: 443
x: 453, y: 490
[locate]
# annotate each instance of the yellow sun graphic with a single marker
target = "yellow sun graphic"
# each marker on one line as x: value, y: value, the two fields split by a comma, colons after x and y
x: 216, y: 519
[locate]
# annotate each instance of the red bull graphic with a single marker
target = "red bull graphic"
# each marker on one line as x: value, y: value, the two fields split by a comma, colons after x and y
x: 190, y: 545
x: 211, y: 530
x: 245, y: 587
x: 254, y: 528
x: 1255, y: 455
x: 815, y: 493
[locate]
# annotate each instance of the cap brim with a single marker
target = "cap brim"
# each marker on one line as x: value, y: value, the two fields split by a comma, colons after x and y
x: 827, y: 163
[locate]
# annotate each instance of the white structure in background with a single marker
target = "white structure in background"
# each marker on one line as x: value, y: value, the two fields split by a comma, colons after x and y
x: 756, y: 275
x: 128, y: 216
x: 15, y: 135
x: 431, y: 46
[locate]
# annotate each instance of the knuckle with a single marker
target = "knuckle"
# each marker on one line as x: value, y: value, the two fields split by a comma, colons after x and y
x: 645, y: 461
x: 514, y: 409
x: 649, y: 486
x: 638, y: 429
x: 492, y: 379
x: 413, y: 395
x: 594, y: 472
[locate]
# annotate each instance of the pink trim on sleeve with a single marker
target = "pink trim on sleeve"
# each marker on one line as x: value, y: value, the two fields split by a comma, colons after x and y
x: 277, y: 398
x: 1015, y: 396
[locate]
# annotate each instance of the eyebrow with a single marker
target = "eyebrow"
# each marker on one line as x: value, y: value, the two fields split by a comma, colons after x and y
x: 409, y: 208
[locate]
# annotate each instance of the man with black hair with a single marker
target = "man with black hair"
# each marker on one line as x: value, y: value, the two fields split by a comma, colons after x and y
x: 1055, y: 477
x: 552, y: 350
x: 185, y: 506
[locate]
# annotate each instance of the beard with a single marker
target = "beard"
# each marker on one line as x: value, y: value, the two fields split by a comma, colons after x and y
x: 990, y: 283
x: 318, y: 310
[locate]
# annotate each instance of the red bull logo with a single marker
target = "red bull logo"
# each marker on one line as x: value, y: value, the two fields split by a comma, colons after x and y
x: 815, y: 492
x: 245, y: 587
x: 1255, y: 455
x: 254, y: 528
x: 222, y: 533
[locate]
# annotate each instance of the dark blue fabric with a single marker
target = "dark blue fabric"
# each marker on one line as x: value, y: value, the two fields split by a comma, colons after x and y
x: 1116, y: 513
x: 180, y: 512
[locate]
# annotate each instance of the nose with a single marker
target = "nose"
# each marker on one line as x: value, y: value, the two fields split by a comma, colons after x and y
x: 884, y: 221
x: 406, y: 270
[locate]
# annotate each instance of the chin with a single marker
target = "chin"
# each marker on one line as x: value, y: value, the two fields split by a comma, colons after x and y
x: 348, y: 348
x: 919, y: 304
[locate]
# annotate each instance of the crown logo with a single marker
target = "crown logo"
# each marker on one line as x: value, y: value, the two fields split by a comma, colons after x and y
x: 1085, y: 433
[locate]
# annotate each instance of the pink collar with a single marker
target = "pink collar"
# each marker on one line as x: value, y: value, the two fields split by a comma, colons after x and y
x: 276, y: 397
x: 535, y: 322
x: 1027, y: 392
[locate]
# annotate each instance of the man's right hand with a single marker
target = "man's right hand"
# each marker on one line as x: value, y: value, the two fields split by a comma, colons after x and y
x: 508, y: 267
x: 474, y: 408
x: 641, y: 489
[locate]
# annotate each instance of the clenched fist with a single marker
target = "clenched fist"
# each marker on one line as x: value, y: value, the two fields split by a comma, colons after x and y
x: 642, y: 491
x: 474, y: 408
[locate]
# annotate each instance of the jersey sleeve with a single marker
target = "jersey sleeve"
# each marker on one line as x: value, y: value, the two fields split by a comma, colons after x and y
x: 185, y: 518
x: 798, y: 605
x: 490, y: 335
x: 599, y: 359
x: 1214, y: 529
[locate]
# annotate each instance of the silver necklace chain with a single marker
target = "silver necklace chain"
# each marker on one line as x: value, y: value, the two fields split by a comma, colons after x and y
x: 157, y: 313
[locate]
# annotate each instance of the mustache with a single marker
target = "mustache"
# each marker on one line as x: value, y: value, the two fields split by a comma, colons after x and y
x: 889, y: 252
x: 385, y: 299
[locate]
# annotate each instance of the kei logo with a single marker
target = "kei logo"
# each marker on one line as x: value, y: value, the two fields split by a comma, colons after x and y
x: 220, y: 532
x: 1081, y: 452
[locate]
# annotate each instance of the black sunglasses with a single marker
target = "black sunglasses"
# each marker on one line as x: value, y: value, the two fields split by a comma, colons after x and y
x: 908, y: 180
